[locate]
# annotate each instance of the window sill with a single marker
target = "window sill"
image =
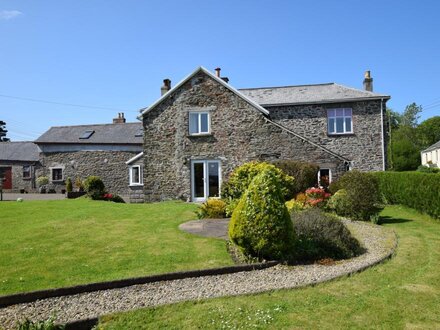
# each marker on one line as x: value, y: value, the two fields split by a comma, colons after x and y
x: 136, y: 185
x: 197, y: 135
x: 340, y: 134
x: 57, y: 181
x: 27, y: 179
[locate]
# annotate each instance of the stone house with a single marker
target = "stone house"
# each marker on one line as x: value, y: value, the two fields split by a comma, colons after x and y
x: 431, y: 155
x: 84, y: 150
x: 196, y: 133
x: 19, y: 162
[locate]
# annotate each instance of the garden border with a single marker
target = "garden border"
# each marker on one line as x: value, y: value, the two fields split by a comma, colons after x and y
x: 32, y: 296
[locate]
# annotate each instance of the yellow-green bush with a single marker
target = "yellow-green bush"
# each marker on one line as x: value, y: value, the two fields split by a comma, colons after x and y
x: 260, y: 224
x: 213, y: 208
x: 295, y: 206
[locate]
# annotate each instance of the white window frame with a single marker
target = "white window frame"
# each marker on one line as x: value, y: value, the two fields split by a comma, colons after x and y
x: 30, y: 172
x: 205, y: 163
x: 329, y: 175
x: 141, y: 176
x: 199, y: 128
x: 334, y: 116
x: 51, y: 174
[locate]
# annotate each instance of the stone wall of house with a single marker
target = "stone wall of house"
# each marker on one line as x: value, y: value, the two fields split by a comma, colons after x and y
x: 20, y: 184
x: 108, y: 165
x: 363, y: 147
x: 239, y: 133
x: 136, y: 192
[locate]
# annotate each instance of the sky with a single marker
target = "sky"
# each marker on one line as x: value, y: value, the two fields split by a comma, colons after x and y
x: 75, y: 62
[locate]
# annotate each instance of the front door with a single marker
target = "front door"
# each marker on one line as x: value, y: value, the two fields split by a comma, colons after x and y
x: 6, y: 176
x: 205, y: 179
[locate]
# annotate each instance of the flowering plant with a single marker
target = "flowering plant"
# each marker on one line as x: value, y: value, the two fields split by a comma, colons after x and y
x: 108, y: 196
x: 317, y: 197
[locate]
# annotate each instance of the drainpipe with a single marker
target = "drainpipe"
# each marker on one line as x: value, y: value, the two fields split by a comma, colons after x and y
x: 382, y: 134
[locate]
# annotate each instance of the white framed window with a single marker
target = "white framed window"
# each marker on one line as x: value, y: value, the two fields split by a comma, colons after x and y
x: 324, y: 177
x: 199, y: 123
x: 136, y: 177
x: 27, y: 171
x: 340, y: 121
x: 56, y: 174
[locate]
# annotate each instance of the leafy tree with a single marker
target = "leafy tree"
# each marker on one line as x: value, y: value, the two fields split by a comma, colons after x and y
x: 3, y: 132
x: 394, y: 119
x: 405, y: 149
x: 411, y: 115
x: 428, y: 131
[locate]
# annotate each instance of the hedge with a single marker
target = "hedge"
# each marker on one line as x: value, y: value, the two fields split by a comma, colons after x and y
x: 420, y: 191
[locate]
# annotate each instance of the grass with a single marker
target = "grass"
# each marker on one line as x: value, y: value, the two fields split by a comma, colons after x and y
x: 402, y: 293
x: 48, y: 244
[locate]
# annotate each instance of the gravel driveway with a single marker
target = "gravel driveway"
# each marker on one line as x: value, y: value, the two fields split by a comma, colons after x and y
x: 379, y: 242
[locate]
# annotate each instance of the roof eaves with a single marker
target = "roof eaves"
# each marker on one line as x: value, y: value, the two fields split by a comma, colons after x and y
x: 219, y: 80
x: 328, y: 101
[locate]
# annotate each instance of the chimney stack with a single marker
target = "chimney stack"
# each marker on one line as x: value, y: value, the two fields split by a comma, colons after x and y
x: 217, y: 73
x: 368, y: 82
x: 166, y: 86
x: 120, y: 119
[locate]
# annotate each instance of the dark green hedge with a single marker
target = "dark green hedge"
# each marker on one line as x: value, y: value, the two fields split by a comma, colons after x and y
x: 420, y: 191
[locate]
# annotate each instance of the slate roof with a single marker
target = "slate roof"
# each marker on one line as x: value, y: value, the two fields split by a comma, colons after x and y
x: 127, y: 133
x: 433, y: 147
x: 19, y: 151
x: 308, y: 94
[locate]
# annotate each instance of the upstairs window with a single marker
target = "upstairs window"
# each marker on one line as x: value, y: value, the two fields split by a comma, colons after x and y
x: 136, y: 175
x: 26, y: 172
x: 340, y: 121
x: 199, y: 123
x: 56, y: 174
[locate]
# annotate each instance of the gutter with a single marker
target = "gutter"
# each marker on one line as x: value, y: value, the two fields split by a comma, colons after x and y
x: 382, y: 134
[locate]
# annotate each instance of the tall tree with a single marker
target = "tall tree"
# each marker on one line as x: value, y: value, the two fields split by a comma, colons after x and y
x: 411, y: 115
x: 3, y: 132
x: 428, y: 131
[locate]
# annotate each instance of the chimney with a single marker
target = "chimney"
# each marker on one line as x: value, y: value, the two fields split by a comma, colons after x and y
x: 368, y: 82
x: 166, y: 86
x: 120, y: 119
x: 217, y: 73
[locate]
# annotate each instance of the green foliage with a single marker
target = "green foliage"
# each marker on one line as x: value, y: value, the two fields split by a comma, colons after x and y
x: 241, y: 177
x: 213, y: 208
x: 69, y: 186
x: 305, y: 174
x: 48, y: 324
x: 320, y: 236
x: 42, y: 180
x: 260, y: 224
x: 112, y: 198
x: 362, y: 196
x: 405, y: 149
x: 295, y: 205
x: 3, y: 132
x: 411, y: 115
x: 426, y: 169
x: 339, y: 203
x: 94, y: 187
x: 428, y: 131
x: 79, y: 184
x: 420, y: 191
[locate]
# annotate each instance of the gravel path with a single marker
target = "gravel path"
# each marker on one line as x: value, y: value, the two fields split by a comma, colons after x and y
x: 379, y: 242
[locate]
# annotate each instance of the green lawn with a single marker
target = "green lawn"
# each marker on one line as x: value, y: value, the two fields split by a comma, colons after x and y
x: 402, y: 293
x: 47, y: 244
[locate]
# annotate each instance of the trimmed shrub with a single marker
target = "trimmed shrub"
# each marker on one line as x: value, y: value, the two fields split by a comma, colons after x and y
x: 339, y: 203
x: 427, y: 169
x: 112, y: 198
x: 295, y: 206
x: 241, y: 177
x: 69, y: 186
x: 420, y: 191
x: 94, y: 187
x: 362, y: 198
x: 260, y: 224
x: 42, y: 180
x: 213, y: 208
x: 305, y: 174
x: 79, y: 184
x: 319, y: 236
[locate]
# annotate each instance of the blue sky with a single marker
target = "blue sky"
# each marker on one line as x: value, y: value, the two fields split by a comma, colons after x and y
x: 115, y: 54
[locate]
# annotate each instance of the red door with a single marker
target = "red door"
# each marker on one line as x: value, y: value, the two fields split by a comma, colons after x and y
x: 6, y: 174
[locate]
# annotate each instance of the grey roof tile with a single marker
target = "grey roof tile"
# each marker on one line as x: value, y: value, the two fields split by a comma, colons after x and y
x: 19, y: 151
x: 127, y: 133
x: 306, y: 94
x: 433, y: 147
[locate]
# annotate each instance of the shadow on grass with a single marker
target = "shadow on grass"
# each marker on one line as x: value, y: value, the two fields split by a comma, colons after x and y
x: 387, y: 219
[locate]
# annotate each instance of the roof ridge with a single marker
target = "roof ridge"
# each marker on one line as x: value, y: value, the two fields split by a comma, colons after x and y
x: 360, y: 90
x: 85, y: 125
x: 288, y: 86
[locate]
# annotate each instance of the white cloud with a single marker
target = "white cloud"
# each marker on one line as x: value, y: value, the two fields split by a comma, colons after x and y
x: 9, y: 14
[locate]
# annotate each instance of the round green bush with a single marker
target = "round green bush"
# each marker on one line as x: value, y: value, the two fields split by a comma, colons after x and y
x: 362, y: 200
x: 339, y: 203
x: 260, y: 224
x: 213, y: 208
x: 241, y: 177
x: 94, y: 187
x: 305, y: 174
x: 319, y: 236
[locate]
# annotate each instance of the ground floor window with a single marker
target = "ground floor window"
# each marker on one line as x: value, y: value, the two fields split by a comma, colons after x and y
x: 205, y: 179
x: 27, y: 172
x: 135, y: 172
x: 324, y: 177
x: 56, y: 174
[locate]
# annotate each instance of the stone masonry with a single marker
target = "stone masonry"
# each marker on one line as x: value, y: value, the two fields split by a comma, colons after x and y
x: 239, y: 133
